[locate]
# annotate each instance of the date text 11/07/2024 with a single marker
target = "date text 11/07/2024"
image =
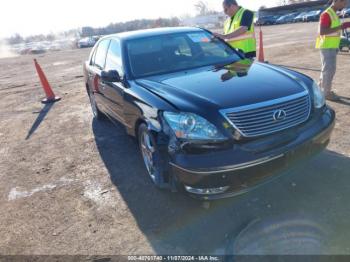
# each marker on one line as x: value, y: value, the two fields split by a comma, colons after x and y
x: 174, y: 258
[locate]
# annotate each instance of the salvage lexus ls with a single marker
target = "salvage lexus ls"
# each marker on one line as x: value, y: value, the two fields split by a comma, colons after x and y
x: 208, y: 121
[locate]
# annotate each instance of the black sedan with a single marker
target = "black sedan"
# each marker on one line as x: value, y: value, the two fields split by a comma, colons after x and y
x: 208, y: 121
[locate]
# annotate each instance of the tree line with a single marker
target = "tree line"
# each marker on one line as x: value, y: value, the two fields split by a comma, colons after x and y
x: 114, y: 28
x: 91, y: 31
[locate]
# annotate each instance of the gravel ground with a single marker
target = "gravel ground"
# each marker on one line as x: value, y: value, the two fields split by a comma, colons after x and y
x: 70, y: 185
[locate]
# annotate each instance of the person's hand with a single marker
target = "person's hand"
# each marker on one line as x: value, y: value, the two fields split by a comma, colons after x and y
x: 218, y: 35
x: 227, y: 76
x: 345, y: 25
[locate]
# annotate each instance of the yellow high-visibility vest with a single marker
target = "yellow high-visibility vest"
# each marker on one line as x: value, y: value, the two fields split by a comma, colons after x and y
x: 247, y: 41
x: 331, y: 40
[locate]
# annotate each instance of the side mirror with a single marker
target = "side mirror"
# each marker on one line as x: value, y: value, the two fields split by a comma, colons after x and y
x: 110, y: 76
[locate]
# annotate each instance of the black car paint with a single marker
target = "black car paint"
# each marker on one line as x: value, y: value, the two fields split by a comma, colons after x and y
x: 136, y: 101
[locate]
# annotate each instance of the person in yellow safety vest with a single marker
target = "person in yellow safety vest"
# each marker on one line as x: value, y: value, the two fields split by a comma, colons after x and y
x: 328, y: 41
x: 239, y: 29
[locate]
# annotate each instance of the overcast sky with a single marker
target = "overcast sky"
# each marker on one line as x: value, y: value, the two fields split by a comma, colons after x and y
x: 28, y: 17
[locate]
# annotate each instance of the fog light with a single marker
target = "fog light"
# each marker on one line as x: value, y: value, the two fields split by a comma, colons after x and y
x: 206, y: 191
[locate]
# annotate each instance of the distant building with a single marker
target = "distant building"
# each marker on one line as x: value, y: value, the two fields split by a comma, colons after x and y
x: 297, y: 7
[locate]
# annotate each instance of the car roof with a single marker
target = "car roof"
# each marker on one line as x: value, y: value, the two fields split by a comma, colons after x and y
x: 152, y: 32
x: 302, y: 13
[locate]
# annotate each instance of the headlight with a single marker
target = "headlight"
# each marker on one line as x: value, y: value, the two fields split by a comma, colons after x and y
x: 191, y: 126
x: 319, y: 100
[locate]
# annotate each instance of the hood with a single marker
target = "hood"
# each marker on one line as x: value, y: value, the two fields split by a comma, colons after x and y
x: 238, y: 84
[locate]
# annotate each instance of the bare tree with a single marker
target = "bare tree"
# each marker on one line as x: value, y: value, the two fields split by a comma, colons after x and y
x: 283, y: 2
x: 202, y: 7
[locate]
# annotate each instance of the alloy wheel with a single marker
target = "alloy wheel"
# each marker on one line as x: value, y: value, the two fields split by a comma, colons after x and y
x: 148, y: 150
x: 93, y: 104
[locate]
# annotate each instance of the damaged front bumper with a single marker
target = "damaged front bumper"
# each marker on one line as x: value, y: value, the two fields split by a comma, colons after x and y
x: 242, y: 167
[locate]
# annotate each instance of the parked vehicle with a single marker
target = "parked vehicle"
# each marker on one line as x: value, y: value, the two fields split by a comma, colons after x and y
x: 346, y: 12
x: 33, y: 48
x: 300, y: 17
x: 208, y: 121
x: 312, y: 16
x: 345, y: 41
x: 87, y: 42
x: 281, y: 19
x: 286, y: 18
x: 268, y: 20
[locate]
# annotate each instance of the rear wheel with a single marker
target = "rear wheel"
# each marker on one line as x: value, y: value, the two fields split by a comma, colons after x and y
x: 95, y: 111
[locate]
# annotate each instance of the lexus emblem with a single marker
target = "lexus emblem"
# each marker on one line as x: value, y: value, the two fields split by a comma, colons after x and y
x: 279, y: 115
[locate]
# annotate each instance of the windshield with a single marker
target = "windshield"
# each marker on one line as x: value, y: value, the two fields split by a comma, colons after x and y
x: 176, y: 52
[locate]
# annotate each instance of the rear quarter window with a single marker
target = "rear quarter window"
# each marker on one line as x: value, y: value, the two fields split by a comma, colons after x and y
x: 99, y: 59
x: 114, y: 57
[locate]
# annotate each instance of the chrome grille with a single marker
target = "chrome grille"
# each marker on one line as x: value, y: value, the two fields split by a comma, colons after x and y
x: 271, y: 116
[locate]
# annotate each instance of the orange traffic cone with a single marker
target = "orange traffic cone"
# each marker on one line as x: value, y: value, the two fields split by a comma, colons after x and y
x: 261, y: 48
x: 50, y: 96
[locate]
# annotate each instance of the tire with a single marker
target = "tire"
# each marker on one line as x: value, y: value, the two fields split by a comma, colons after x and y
x: 95, y: 111
x: 151, y: 157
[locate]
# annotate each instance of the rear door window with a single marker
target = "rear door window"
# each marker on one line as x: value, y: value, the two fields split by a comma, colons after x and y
x: 101, y: 52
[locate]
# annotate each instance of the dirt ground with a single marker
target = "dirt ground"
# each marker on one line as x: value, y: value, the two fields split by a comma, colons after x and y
x: 71, y: 185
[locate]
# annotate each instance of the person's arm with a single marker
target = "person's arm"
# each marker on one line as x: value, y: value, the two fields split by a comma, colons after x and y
x: 328, y: 31
x: 241, y: 30
x: 246, y: 23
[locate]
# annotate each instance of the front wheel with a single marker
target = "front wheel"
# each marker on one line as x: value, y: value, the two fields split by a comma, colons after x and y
x: 151, y: 156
